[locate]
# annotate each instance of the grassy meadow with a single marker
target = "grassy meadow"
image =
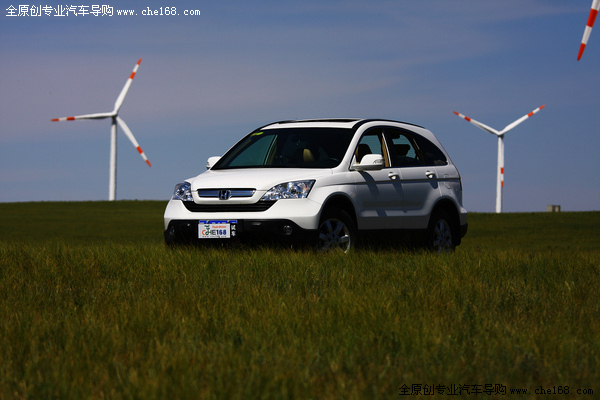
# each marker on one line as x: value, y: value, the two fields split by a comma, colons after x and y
x: 94, y: 306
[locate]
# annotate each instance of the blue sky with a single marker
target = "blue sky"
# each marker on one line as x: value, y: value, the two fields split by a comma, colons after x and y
x: 207, y: 80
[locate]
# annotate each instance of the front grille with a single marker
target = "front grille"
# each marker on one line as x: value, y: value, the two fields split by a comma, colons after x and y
x: 213, y: 208
x: 231, y: 192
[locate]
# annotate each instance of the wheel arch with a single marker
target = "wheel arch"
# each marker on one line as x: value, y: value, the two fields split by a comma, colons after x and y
x: 341, y: 202
x: 450, y: 208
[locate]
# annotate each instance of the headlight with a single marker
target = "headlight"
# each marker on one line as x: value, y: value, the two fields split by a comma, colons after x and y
x: 183, y: 192
x: 289, y: 190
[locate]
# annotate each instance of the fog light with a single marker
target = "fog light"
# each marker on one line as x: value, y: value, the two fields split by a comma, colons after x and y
x: 287, y: 230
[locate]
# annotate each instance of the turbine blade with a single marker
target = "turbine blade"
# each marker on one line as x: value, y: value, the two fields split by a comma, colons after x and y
x: 478, y: 124
x: 588, y: 27
x: 123, y: 93
x: 127, y: 131
x: 523, y: 118
x: 86, y: 116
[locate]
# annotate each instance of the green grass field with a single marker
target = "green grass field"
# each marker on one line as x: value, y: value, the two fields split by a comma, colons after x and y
x: 94, y: 306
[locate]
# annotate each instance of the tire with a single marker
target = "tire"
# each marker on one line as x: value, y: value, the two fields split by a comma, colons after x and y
x: 337, y: 231
x: 441, y: 233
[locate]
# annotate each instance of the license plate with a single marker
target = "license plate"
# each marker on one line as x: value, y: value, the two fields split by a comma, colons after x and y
x: 216, y: 229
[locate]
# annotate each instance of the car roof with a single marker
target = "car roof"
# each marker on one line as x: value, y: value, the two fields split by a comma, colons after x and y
x: 348, y: 123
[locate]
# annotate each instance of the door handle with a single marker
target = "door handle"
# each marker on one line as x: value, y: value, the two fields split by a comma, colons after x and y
x: 393, y: 175
x: 430, y: 174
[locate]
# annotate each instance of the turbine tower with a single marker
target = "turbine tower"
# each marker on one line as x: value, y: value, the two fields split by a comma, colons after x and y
x: 500, y: 134
x: 115, y: 119
x: 588, y: 27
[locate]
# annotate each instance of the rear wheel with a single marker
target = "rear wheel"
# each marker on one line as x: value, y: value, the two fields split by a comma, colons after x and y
x: 441, y: 232
x: 336, y: 231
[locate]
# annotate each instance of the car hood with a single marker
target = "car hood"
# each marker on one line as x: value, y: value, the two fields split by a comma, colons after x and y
x: 253, y: 178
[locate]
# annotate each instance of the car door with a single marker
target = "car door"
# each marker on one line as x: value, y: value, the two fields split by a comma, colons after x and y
x: 378, y: 193
x: 420, y: 181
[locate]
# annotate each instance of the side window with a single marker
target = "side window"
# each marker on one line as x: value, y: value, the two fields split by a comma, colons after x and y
x: 404, y: 152
x: 371, y: 143
x: 432, y: 154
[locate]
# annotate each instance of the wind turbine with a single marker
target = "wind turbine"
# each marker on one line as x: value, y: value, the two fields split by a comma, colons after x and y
x: 113, y: 115
x: 500, y: 134
x: 588, y: 27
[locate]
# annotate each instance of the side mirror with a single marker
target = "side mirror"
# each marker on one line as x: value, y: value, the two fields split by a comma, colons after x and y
x: 370, y: 162
x: 212, y: 161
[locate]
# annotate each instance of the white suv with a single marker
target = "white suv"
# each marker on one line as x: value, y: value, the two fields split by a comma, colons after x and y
x: 330, y: 182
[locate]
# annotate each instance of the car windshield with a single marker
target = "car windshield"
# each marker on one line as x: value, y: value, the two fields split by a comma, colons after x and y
x: 289, y: 148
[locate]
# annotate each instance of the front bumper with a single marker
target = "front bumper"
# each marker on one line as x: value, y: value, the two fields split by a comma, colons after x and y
x: 289, y: 220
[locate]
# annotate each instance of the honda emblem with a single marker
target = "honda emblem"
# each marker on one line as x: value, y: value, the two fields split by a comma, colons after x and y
x: 224, y: 194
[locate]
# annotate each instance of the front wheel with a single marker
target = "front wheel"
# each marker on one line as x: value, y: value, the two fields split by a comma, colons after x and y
x: 336, y: 231
x: 440, y: 234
